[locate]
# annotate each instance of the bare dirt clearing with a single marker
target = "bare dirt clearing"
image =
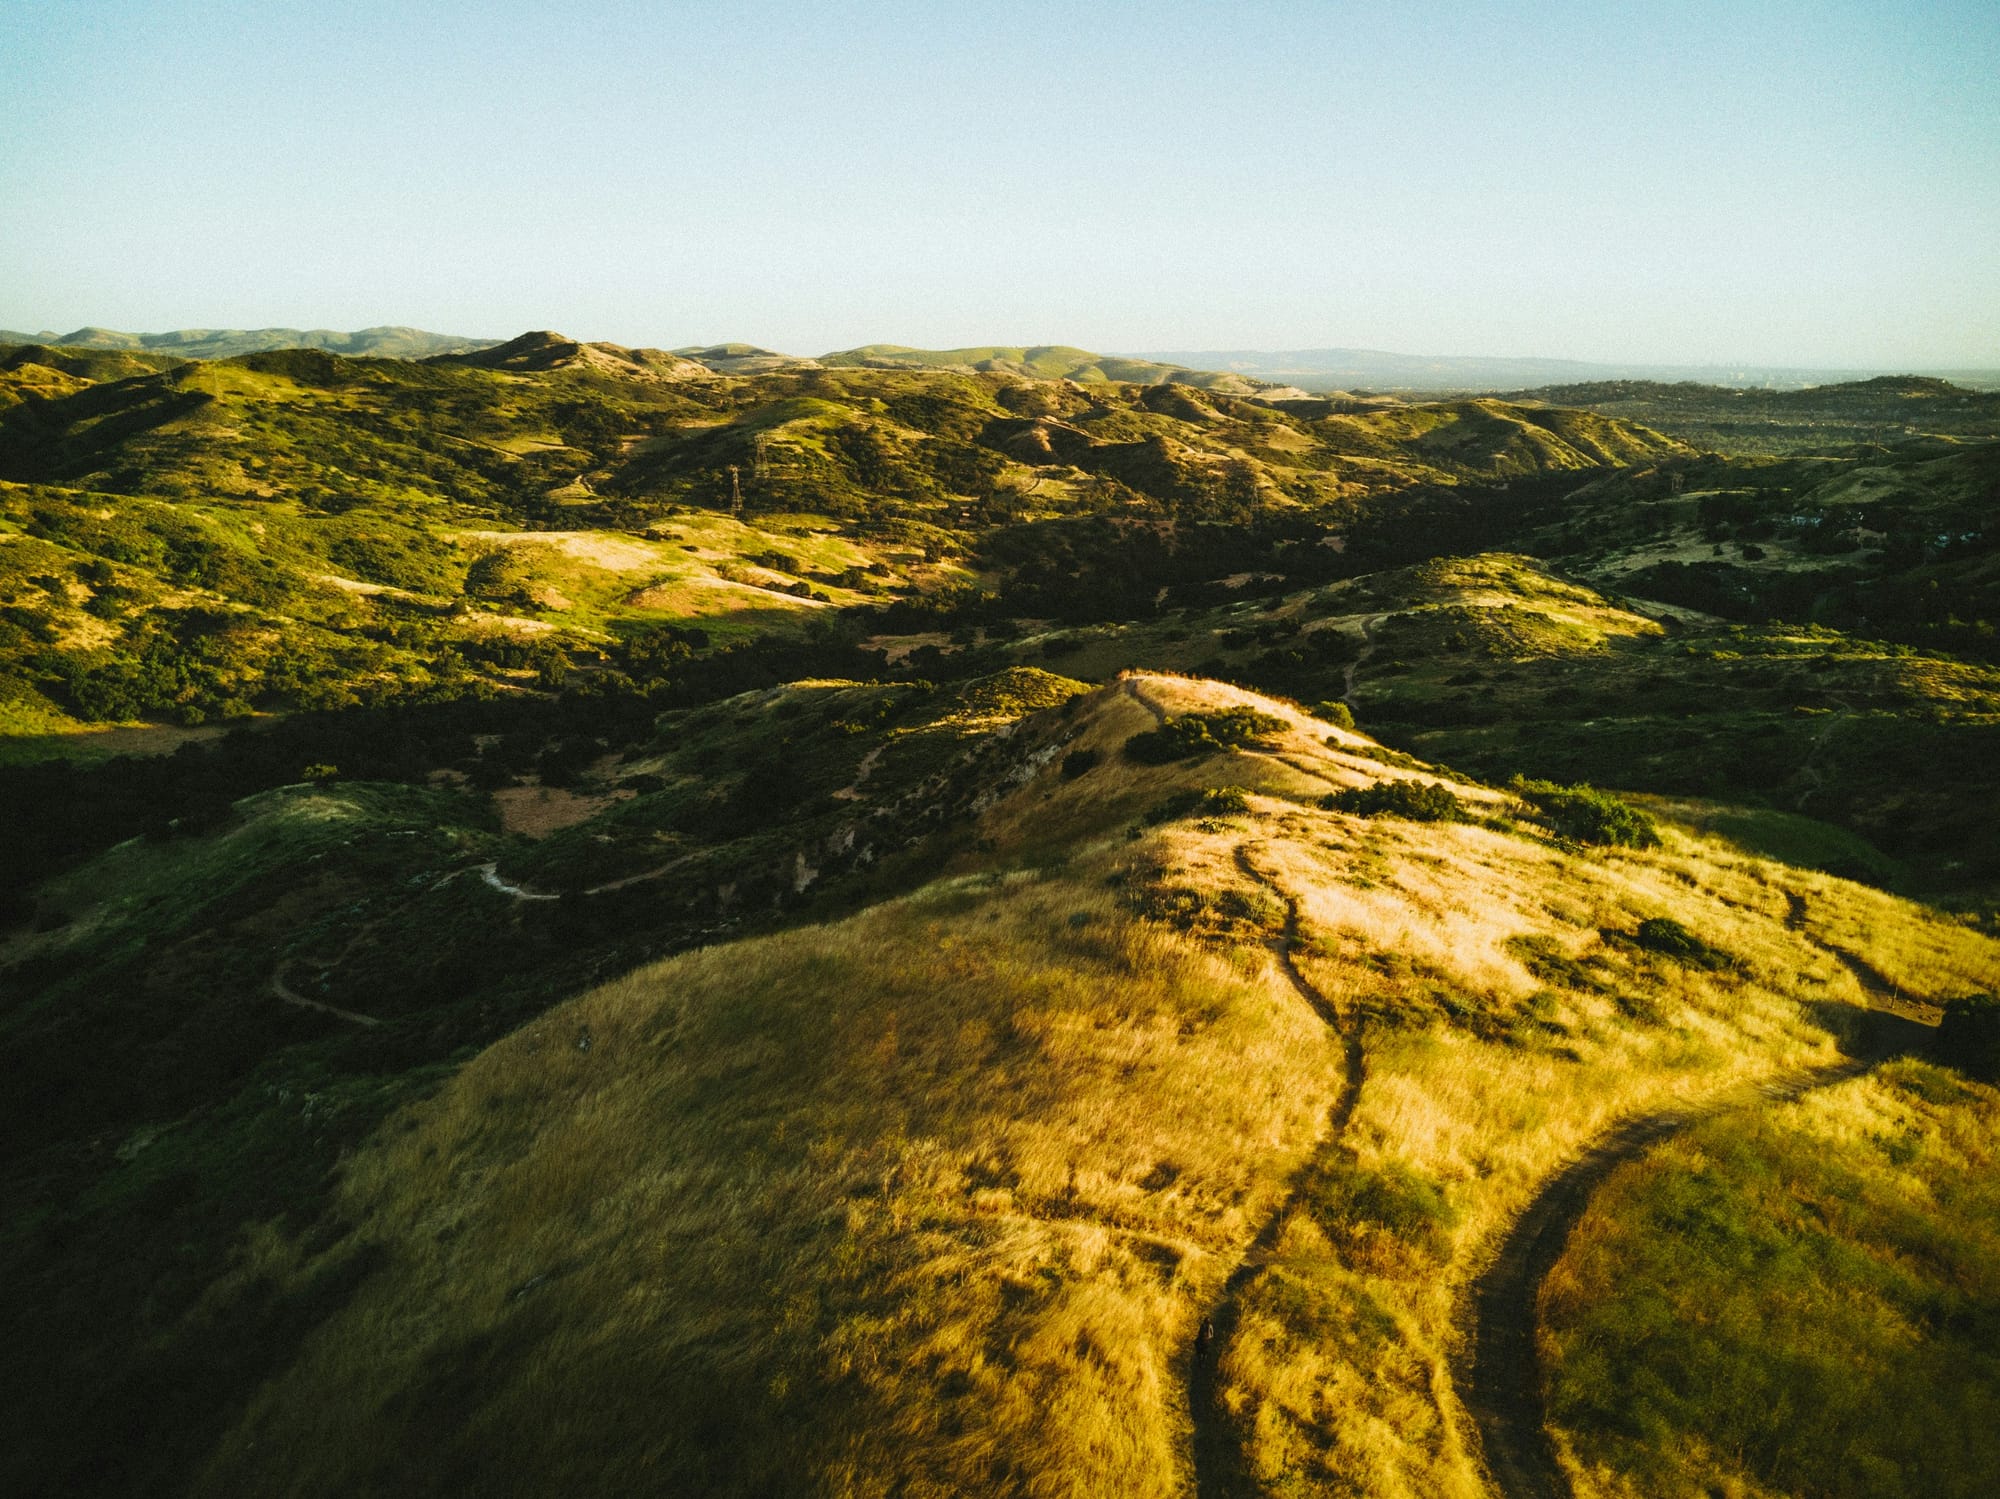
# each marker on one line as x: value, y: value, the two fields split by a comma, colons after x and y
x: 537, y: 811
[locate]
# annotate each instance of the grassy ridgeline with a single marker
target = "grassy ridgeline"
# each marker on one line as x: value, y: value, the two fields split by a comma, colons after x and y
x: 932, y: 1199
x: 858, y: 1205
x: 1799, y: 1302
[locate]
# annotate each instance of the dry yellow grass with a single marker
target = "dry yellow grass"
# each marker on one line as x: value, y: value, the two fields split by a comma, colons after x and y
x: 869, y: 1199
x: 931, y: 1200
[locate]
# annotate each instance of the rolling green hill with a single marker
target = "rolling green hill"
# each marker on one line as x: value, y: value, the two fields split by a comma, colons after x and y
x: 743, y: 359
x: 938, y: 1186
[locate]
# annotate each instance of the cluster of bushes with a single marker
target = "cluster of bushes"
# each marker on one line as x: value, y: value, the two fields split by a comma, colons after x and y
x: 1546, y: 959
x: 1216, y: 801
x: 1195, y: 734
x: 1418, y: 801
x: 1584, y: 814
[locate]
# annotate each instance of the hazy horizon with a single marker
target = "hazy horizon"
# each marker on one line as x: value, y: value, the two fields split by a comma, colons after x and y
x: 1773, y: 185
x: 1218, y: 358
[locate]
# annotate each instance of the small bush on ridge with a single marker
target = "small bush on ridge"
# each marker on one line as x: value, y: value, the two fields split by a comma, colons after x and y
x: 1201, y: 734
x: 1217, y: 801
x: 1418, y: 801
x: 1969, y: 1037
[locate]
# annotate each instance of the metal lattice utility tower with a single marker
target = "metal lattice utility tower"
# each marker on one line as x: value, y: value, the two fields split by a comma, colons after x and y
x: 735, y: 492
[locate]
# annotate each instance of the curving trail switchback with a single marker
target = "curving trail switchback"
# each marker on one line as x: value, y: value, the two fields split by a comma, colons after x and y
x: 1500, y: 1378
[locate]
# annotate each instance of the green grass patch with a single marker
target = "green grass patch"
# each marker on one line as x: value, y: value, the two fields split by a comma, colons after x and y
x: 1800, y: 1302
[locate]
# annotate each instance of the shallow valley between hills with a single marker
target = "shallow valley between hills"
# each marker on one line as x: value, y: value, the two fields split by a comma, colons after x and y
x: 588, y: 918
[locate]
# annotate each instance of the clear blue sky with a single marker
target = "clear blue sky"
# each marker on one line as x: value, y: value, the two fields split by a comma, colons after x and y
x: 1813, y: 183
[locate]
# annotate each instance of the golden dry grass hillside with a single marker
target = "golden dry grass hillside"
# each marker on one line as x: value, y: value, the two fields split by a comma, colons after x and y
x: 1148, y: 1150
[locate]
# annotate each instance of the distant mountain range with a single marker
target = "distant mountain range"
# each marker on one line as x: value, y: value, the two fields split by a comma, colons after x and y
x: 1229, y: 371
x: 1376, y: 369
x: 225, y: 343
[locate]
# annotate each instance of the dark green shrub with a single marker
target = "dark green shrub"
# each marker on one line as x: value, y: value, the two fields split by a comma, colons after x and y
x: 1201, y: 734
x: 1217, y: 801
x: 1078, y: 762
x: 1664, y: 935
x: 1969, y: 1037
x: 1418, y: 801
x: 1586, y: 815
x: 504, y: 575
x: 1338, y: 714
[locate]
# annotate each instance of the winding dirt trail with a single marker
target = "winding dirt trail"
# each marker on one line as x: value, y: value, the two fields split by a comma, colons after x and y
x: 1368, y: 628
x: 1219, y: 1465
x: 1138, y: 695
x: 851, y: 792
x: 1500, y: 1379
x: 490, y: 873
x: 284, y: 991
x: 1809, y: 767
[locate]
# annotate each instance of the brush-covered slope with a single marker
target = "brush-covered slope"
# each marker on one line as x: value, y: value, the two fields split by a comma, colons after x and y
x: 1898, y: 542
x: 296, y: 529
x: 45, y: 371
x: 1041, y: 362
x: 1492, y: 439
x: 937, y: 1197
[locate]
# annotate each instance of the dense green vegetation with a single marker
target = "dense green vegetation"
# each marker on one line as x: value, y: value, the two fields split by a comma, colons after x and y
x: 1194, y: 734
x: 1587, y: 815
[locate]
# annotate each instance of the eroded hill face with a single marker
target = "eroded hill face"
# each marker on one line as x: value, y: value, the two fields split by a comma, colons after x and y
x: 942, y: 1193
